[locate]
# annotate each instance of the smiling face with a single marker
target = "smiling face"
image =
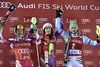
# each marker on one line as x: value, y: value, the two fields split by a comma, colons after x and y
x: 20, y: 32
x: 47, y: 30
x: 74, y: 30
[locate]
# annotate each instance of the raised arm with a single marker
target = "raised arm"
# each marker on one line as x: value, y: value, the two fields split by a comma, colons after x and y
x: 59, y: 24
x: 33, y: 33
x: 96, y: 42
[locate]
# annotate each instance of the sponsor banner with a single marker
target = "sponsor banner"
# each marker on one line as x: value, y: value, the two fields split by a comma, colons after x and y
x: 85, y: 13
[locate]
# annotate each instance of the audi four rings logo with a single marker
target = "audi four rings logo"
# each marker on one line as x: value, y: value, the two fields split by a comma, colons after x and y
x: 1, y: 18
x: 11, y: 52
x: 11, y: 30
x: 59, y: 62
x: 5, y: 4
x: 43, y: 19
x: 13, y: 18
x: 87, y: 51
x: 85, y: 20
x: 86, y: 30
x: 1, y: 62
x: 98, y: 51
x: 27, y: 29
x: 88, y: 62
x: 59, y: 51
x: 12, y: 62
x: 97, y: 20
x: 1, y: 51
x: 59, y: 40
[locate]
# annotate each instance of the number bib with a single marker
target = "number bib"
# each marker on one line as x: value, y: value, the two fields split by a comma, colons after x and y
x: 76, y: 43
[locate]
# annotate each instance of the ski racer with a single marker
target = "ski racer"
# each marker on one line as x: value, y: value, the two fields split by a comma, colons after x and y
x: 74, y: 42
x: 46, y: 46
x: 22, y: 47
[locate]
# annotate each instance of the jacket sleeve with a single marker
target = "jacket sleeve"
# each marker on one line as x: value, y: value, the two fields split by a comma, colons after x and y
x: 87, y: 40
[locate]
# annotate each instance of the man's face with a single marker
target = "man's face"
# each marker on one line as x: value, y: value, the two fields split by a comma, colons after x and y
x: 20, y: 32
x: 73, y: 30
x: 48, y: 30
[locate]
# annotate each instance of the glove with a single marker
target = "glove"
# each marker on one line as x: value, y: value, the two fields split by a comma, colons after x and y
x: 98, y: 33
x: 59, y: 12
x: 33, y: 28
x: 2, y: 24
x: 12, y: 8
x: 98, y: 39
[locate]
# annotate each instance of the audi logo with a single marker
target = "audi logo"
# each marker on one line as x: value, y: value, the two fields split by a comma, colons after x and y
x: 87, y: 51
x: 5, y: 4
x: 59, y: 40
x: 1, y: 50
x: 59, y: 62
x: 11, y: 30
x: 54, y: 19
x: 86, y: 30
x: 85, y: 20
x: 40, y: 30
x: 11, y: 52
x: 13, y: 18
x: 99, y: 62
x: 88, y: 62
x: 12, y: 62
x: 97, y: 20
x: 1, y: 62
x: 43, y: 19
x: 27, y: 29
x: 98, y: 51
x: 1, y: 18
x: 59, y: 51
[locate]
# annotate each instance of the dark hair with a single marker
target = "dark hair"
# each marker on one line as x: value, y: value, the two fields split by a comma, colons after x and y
x: 50, y: 35
x: 17, y: 29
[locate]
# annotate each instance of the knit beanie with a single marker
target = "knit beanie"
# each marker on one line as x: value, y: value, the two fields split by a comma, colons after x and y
x: 73, y: 23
